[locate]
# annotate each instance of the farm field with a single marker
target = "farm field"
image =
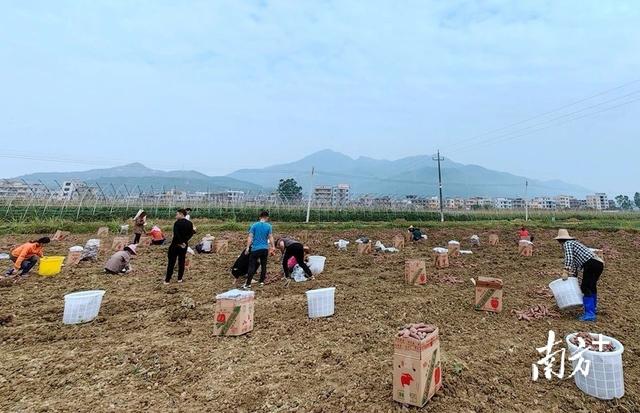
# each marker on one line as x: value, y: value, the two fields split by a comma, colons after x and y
x: 151, y: 349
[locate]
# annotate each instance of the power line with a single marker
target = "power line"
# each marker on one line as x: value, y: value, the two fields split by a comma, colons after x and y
x: 540, y: 115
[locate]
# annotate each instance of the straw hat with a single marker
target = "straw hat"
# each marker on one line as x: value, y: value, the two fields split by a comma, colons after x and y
x: 132, y: 248
x: 563, y: 234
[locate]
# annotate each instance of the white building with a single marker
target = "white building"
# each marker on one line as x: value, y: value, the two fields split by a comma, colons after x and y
x: 76, y: 190
x: 598, y: 201
x: 502, y: 203
x: 326, y: 195
x: 565, y: 201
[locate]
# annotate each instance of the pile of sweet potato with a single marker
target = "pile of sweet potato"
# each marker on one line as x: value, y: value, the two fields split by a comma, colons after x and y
x: 419, y: 331
x: 588, y: 341
x: 537, y: 312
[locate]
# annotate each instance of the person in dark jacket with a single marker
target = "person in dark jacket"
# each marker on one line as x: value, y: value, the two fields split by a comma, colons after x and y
x: 182, y: 233
x: 292, y: 248
x: 416, y: 234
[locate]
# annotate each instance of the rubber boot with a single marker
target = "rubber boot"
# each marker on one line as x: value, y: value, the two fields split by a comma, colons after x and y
x: 589, y: 303
x: 595, y: 303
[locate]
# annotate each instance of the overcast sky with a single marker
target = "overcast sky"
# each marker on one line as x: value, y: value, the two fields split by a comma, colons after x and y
x: 222, y: 85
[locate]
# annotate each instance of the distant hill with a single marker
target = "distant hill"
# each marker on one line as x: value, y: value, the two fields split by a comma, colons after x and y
x: 412, y: 175
x: 137, y: 175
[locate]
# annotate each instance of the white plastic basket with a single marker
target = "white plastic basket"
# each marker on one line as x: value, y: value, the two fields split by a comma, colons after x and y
x: 321, y: 302
x: 82, y: 307
x: 316, y: 264
x: 567, y: 293
x: 606, y: 377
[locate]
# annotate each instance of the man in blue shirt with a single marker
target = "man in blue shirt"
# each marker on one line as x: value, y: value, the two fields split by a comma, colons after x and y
x: 259, y: 242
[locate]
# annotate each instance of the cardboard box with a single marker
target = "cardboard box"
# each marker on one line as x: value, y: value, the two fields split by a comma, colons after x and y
x: 525, y: 248
x: 454, y: 248
x: 493, y: 239
x: 233, y: 317
x: 60, y: 235
x: 441, y: 260
x: 488, y: 294
x: 398, y: 242
x: 145, y: 241
x: 119, y: 243
x: 221, y: 246
x: 103, y: 232
x: 417, y: 372
x: 415, y: 272
x: 364, y: 248
x: 73, y: 258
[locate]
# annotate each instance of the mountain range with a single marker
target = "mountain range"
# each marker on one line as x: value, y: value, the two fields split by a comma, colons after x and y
x: 415, y: 175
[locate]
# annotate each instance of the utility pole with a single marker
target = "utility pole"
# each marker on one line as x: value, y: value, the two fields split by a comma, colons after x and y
x: 439, y: 159
x: 310, y: 194
x: 526, y: 201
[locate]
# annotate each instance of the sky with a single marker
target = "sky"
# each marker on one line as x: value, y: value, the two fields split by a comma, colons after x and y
x: 221, y: 85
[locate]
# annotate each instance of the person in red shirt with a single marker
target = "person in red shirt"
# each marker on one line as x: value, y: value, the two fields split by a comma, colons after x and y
x: 523, y: 234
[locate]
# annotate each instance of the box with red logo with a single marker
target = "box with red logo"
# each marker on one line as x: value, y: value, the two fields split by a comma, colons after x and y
x: 415, y: 272
x: 234, y: 313
x: 417, y: 373
x: 488, y: 294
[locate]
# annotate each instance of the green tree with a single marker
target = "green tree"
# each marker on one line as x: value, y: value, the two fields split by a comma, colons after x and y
x: 636, y: 199
x: 289, y: 190
x: 624, y: 202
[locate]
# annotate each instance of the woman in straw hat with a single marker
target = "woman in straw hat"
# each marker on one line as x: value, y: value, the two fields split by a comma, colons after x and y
x: 577, y: 257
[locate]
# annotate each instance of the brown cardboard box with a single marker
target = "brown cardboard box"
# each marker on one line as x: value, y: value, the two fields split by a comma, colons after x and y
x: 398, y: 242
x: 415, y: 272
x: 454, y: 248
x: 304, y: 236
x: 220, y: 246
x: 441, y: 260
x: 103, y: 232
x: 364, y: 248
x: 119, y: 243
x: 525, y: 248
x: 73, y: 258
x: 417, y: 373
x: 233, y: 317
x: 60, y: 235
x: 488, y: 294
x: 493, y: 239
x: 145, y: 242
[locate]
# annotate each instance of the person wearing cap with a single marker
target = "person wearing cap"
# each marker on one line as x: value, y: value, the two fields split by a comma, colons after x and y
x: 182, y: 233
x: 289, y: 247
x: 26, y: 256
x: 139, y: 221
x: 259, y: 243
x: 416, y: 234
x: 119, y: 262
x: 579, y: 257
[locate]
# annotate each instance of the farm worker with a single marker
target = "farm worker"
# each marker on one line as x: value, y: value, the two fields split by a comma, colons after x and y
x: 119, y: 262
x: 139, y: 221
x: 182, y: 233
x: 416, y: 234
x: 188, y: 215
x: 576, y: 257
x: 259, y: 243
x: 292, y: 248
x: 157, y: 237
x: 26, y: 256
x: 523, y: 234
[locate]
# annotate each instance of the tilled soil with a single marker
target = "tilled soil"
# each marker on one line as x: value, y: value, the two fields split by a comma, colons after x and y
x: 147, y: 350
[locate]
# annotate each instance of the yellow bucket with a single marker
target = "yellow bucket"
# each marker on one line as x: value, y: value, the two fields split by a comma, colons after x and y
x: 50, y: 266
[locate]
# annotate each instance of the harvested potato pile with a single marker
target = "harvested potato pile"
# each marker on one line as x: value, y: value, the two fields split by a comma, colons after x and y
x: 589, y: 342
x: 419, y: 331
x: 537, y: 312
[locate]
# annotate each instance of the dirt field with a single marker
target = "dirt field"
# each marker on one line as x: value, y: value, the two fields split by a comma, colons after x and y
x: 146, y: 351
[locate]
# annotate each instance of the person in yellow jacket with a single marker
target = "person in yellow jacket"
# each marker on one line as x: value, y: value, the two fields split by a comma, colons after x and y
x: 26, y: 256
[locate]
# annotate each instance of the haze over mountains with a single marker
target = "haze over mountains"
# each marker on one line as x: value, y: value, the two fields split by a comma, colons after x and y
x: 417, y: 175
